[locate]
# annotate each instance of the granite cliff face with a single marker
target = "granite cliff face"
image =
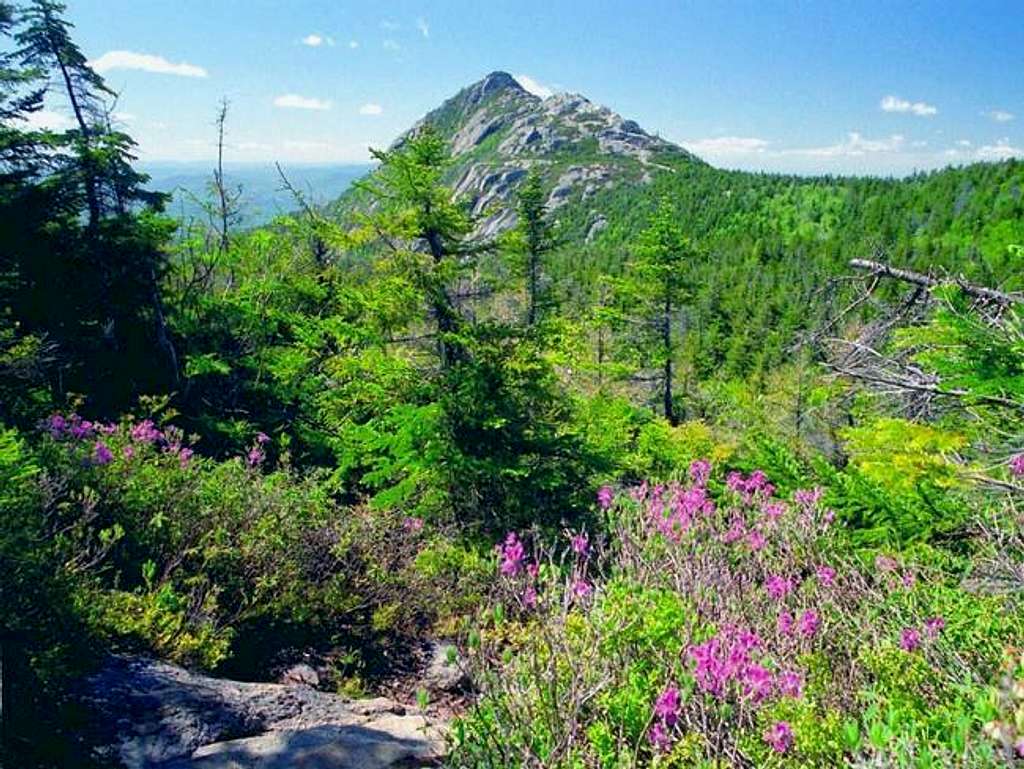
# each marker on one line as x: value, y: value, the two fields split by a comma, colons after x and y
x: 498, y: 131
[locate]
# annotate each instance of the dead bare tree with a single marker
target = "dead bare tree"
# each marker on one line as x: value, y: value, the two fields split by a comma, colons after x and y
x: 226, y: 206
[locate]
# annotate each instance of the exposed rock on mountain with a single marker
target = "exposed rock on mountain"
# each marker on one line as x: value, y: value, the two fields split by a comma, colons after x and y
x: 498, y: 131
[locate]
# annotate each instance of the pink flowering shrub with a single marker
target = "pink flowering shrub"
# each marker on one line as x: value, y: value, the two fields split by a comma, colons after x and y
x: 189, y: 557
x: 717, y: 621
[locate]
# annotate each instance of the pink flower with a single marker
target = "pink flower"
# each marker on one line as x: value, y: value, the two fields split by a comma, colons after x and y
x: 809, y: 623
x: 580, y: 544
x: 790, y: 684
x: 512, y: 554
x: 605, y: 497
x: 785, y: 623
x: 807, y: 497
x: 700, y: 471
x: 778, y: 587
x: 773, y: 510
x: 255, y: 456
x: 756, y: 540
x: 910, y: 639
x: 659, y: 737
x: 184, y: 456
x: 581, y: 588
x: 56, y: 425
x: 262, y: 438
x: 826, y: 575
x: 128, y: 452
x: 530, y: 596
x: 780, y: 737
x: 412, y: 525
x: 146, y: 432
x: 1017, y: 465
x: 909, y: 580
x: 101, y: 454
x: 933, y: 626
x: 533, y: 569
x: 666, y: 706
x: 757, y: 683
x: 734, y: 533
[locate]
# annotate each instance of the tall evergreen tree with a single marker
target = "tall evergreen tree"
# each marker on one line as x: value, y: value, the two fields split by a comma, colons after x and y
x: 658, y: 281
x: 414, y: 207
x: 537, y: 241
x: 92, y: 289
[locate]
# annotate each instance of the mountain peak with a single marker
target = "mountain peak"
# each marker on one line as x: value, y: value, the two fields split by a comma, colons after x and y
x: 498, y: 131
x: 498, y: 81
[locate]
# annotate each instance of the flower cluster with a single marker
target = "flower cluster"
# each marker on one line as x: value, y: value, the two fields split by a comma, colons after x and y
x: 911, y: 637
x: 511, y: 555
x: 76, y: 430
x: 666, y: 715
x: 731, y: 662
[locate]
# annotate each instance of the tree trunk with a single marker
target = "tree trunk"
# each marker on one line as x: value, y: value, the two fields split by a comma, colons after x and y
x: 666, y: 330
x: 444, y: 310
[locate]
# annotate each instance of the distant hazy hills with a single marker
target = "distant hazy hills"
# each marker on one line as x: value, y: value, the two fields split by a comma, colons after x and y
x: 262, y: 194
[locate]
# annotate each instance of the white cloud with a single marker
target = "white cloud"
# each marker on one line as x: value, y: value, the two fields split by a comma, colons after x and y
x: 964, y: 143
x: 353, y: 44
x: 1001, y: 150
x: 389, y: 25
x: 124, y: 117
x: 146, y: 62
x: 726, y: 145
x: 423, y: 27
x: 391, y: 45
x: 1000, y: 115
x: 896, y: 104
x: 314, y: 40
x: 48, y: 120
x: 854, y: 146
x: 295, y: 101
x: 533, y: 86
x: 371, y: 109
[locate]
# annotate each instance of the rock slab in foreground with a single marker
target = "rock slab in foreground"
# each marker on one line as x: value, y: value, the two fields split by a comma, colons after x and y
x: 151, y: 715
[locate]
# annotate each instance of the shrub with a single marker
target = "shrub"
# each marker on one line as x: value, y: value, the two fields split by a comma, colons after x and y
x: 719, y: 623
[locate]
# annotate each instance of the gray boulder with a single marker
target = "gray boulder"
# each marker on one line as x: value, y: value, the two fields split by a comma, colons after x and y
x: 152, y: 715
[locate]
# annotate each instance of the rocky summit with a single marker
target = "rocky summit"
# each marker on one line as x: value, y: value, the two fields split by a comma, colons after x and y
x: 498, y: 131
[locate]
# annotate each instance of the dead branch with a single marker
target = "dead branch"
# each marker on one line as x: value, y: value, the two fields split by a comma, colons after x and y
x: 926, y: 281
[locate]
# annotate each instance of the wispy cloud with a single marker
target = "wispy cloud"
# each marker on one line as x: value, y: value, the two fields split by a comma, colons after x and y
x: 1001, y: 150
x: 919, y: 108
x: 295, y: 101
x: 389, y: 25
x: 423, y: 27
x: 391, y: 45
x: 726, y: 145
x: 855, y: 145
x: 353, y: 44
x: 146, y: 62
x: 534, y: 86
x: 999, y: 115
x: 371, y: 109
x: 314, y: 40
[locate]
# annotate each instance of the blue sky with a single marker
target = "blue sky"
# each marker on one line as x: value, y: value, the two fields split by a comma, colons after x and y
x: 838, y: 87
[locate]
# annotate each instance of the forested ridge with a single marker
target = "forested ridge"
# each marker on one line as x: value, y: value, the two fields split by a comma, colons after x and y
x: 682, y: 485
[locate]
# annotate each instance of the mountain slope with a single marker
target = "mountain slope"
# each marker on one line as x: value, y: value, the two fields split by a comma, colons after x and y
x: 498, y: 131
